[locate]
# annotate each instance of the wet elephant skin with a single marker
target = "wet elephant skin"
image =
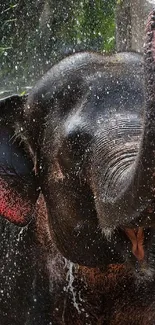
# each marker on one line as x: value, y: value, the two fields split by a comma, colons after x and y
x: 77, y: 184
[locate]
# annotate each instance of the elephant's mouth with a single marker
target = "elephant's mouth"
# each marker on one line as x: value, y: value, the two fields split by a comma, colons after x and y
x: 140, y: 251
x: 141, y: 234
x: 136, y: 237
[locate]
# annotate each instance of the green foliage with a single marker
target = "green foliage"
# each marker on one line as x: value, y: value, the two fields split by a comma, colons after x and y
x: 95, y: 21
x: 34, y: 34
x: 3, y: 49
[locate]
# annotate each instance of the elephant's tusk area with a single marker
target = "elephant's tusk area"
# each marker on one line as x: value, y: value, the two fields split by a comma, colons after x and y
x: 137, y: 238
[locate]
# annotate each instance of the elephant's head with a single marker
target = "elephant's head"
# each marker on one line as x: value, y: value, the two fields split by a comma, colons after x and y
x: 88, y: 126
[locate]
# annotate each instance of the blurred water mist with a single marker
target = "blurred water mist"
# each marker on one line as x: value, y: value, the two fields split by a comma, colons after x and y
x: 34, y: 34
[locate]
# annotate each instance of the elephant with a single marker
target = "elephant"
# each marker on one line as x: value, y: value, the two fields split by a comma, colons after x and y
x: 83, y: 139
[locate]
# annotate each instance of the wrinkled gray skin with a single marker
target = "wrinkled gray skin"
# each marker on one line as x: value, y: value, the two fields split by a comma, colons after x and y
x: 91, y: 161
x: 88, y: 127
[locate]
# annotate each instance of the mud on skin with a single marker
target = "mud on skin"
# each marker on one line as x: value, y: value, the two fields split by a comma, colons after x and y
x: 84, y: 139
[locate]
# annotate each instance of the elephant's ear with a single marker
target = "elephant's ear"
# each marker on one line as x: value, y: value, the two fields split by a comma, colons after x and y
x: 12, y: 107
x: 18, y: 190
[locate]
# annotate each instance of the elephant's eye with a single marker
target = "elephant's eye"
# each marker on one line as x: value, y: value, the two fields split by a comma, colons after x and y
x: 13, y: 159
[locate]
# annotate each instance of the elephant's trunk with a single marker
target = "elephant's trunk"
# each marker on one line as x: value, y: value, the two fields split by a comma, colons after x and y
x: 128, y: 194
